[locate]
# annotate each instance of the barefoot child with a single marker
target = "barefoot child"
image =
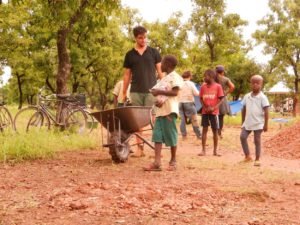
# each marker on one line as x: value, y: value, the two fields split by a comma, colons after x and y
x: 165, y: 130
x: 255, y: 116
x: 211, y: 94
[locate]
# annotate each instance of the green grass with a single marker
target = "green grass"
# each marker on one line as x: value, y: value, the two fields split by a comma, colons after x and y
x: 36, y: 145
x: 41, y: 144
x: 233, y: 120
x: 237, y: 119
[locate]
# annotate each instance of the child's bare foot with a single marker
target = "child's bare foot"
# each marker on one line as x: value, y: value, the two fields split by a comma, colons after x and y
x: 139, y: 153
x: 247, y: 159
x: 217, y: 154
x: 203, y: 153
x: 172, y: 166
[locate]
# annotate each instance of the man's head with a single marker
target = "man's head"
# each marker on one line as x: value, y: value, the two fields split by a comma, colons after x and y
x: 256, y: 83
x: 209, y: 76
x: 187, y: 75
x: 168, y: 63
x: 140, y: 35
x: 220, y: 69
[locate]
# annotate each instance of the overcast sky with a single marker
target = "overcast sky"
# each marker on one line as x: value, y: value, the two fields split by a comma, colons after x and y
x: 152, y: 10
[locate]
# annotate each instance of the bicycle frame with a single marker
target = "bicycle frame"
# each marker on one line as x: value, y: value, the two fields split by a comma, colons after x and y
x: 59, y: 116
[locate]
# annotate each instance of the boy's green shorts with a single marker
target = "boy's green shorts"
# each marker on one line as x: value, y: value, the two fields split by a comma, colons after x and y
x: 165, y: 130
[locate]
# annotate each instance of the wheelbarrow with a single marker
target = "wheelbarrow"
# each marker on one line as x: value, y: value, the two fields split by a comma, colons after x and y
x: 121, y: 125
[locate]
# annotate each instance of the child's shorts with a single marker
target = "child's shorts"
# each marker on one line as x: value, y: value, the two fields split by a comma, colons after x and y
x: 210, y: 120
x: 165, y: 130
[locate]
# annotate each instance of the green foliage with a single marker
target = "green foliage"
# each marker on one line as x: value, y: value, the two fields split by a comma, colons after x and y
x: 32, y: 39
x: 169, y: 37
x: 280, y: 33
x: 219, y: 41
x: 99, y: 33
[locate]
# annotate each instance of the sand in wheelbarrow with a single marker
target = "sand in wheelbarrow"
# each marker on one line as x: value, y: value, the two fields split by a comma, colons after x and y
x: 285, y: 144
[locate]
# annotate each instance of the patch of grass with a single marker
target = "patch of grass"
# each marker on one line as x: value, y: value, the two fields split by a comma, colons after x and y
x: 236, y: 120
x: 34, y: 145
x: 233, y: 120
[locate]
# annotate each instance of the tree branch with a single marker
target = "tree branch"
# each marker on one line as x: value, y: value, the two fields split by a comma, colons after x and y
x: 77, y: 14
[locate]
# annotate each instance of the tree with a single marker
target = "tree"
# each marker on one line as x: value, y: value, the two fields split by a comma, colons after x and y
x: 169, y: 37
x: 63, y: 16
x: 44, y: 32
x: 16, y: 50
x: 280, y: 33
x: 218, y: 31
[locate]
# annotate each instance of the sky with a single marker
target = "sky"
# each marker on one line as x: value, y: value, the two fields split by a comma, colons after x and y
x: 152, y: 10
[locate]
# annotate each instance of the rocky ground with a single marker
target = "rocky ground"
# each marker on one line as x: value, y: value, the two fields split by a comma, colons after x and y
x: 85, y: 187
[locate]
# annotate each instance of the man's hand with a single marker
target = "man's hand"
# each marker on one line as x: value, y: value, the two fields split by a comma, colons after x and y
x: 124, y: 98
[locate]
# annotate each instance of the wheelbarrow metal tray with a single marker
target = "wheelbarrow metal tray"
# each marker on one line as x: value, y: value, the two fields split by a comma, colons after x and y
x: 132, y: 118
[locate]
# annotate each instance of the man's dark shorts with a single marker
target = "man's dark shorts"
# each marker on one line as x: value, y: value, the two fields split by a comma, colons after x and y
x: 210, y: 120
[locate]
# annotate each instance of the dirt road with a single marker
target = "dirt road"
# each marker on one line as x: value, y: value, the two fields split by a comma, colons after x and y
x: 85, y: 187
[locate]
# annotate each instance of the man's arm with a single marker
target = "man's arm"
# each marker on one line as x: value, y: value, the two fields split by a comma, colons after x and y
x: 115, y: 101
x: 126, y: 80
x: 266, y: 110
x: 195, y: 90
x: 159, y: 72
x: 231, y: 87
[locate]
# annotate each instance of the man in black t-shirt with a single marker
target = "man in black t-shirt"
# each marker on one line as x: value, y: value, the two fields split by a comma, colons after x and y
x: 141, y: 64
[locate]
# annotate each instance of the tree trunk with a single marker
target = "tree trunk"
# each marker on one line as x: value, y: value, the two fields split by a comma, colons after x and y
x: 296, y: 82
x: 20, y: 90
x: 211, y: 47
x: 295, y: 100
x: 64, y: 65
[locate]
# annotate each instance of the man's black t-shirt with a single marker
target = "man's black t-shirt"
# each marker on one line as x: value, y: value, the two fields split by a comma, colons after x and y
x: 142, y: 68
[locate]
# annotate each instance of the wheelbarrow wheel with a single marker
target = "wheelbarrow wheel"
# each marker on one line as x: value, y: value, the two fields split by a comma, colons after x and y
x: 120, y: 150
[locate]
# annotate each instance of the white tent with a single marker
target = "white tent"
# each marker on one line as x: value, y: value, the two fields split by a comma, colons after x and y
x: 280, y: 88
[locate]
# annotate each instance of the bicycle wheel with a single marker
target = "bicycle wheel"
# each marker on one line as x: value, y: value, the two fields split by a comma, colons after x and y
x: 6, y: 121
x: 30, y: 119
x: 91, y: 123
x: 38, y: 121
x: 76, y: 122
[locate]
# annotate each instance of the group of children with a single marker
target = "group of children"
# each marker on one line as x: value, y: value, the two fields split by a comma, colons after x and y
x: 254, y: 113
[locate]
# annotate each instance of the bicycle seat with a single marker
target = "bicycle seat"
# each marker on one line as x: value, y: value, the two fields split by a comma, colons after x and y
x: 67, y: 98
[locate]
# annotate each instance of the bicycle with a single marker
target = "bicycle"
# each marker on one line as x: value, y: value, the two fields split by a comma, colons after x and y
x: 60, y: 110
x: 90, y: 119
x: 6, y: 121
